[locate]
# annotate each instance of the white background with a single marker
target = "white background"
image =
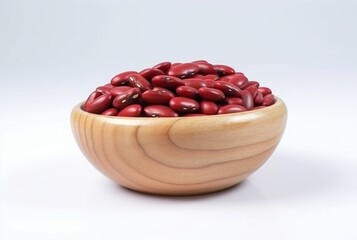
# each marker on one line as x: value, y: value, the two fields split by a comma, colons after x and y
x: 54, y: 53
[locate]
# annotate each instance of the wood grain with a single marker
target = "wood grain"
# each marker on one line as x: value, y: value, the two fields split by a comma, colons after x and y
x: 179, y: 156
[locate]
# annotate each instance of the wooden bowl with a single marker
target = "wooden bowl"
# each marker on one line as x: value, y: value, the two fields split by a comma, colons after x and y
x: 180, y: 155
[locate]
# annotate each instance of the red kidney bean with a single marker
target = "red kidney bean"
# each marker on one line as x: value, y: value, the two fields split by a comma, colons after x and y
x: 187, y: 91
x: 234, y: 101
x: 149, y: 73
x: 268, y: 100
x: 252, y: 83
x: 184, y: 70
x: 201, y: 60
x: 241, y: 83
x: 237, y: 79
x: 229, y: 89
x: 159, y: 111
x: 105, y: 89
x: 93, y: 96
x: 208, y: 107
x: 175, y: 64
x: 253, y: 90
x: 197, y: 76
x: 133, y: 110
x: 157, y: 95
x: 184, y: 105
x: 258, y: 99
x: 195, y: 82
x: 247, y: 98
x: 205, y: 67
x: 98, y: 102
x: 136, y: 80
x: 237, y: 75
x: 213, y: 77
x: 122, y: 78
x: 165, y: 81
x: 108, y: 85
x: 209, y: 82
x: 211, y: 94
x: 264, y: 90
x: 231, y: 109
x: 115, y: 91
x: 126, y: 98
x: 173, y: 89
x: 164, y: 66
x: 223, y: 70
x: 110, y: 112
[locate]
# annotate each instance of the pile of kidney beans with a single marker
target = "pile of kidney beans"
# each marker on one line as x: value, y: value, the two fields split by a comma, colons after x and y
x: 178, y: 89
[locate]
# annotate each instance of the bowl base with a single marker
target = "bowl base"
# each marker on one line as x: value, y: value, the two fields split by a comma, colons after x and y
x: 187, y: 192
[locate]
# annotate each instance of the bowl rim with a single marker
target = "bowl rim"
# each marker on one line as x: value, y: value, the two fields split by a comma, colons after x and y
x: 278, y: 103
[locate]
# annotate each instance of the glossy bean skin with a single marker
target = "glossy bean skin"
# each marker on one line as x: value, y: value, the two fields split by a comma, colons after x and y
x: 184, y: 105
x: 229, y: 89
x: 236, y: 75
x: 264, y: 90
x: 184, y: 70
x: 195, y: 82
x: 110, y: 112
x: 209, y: 82
x: 197, y: 75
x: 253, y: 90
x: 251, y: 83
x: 205, y: 68
x: 133, y: 110
x: 200, y: 60
x: 213, y: 77
x: 166, y: 81
x: 237, y: 79
x: 248, y: 101
x: 164, y: 66
x: 126, y: 98
x: 223, y: 70
x: 136, y: 80
x: 258, y: 99
x: 115, y: 91
x: 175, y: 64
x: 208, y: 107
x: 211, y: 94
x: 93, y: 96
x: 108, y: 85
x: 231, y: 109
x: 149, y: 73
x: 157, y: 95
x: 268, y: 100
x: 234, y: 101
x: 159, y: 111
x: 122, y: 78
x: 187, y: 91
x: 98, y: 102
x: 105, y: 89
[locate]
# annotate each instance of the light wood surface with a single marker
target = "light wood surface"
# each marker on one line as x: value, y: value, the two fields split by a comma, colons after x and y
x: 179, y: 156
